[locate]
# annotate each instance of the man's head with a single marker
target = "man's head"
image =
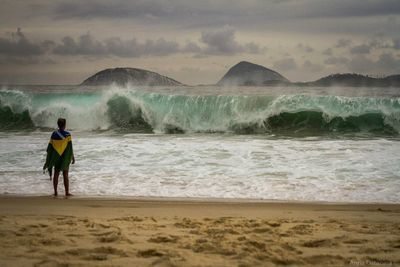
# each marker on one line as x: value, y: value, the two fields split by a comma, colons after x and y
x: 61, y: 122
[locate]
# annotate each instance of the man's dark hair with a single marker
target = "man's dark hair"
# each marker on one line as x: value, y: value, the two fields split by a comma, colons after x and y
x: 61, y: 122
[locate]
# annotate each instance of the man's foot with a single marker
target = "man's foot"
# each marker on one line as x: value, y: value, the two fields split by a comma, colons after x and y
x: 55, y: 194
x: 69, y: 195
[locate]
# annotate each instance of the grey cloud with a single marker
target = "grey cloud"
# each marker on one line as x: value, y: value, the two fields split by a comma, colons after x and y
x: 343, y: 43
x: 377, y: 42
x: 222, y: 41
x: 336, y: 60
x: 47, y: 45
x: 311, y: 67
x: 305, y: 48
x: 87, y: 45
x: 302, y: 16
x: 254, y: 48
x: 309, y: 49
x: 328, y: 52
x: 361, y: 17
x: 217, y: 42
x: 17, y: 60
x: 352, y: 8
x: 123, y: 48
x: 386, y: 64
x: 192, y: 47
x: 360, y: 49
x: 116, y: 9
x: 325, y: 17
x: 17, y: 49
x: 160, y: 47
x: 396, y: 43
x: 19, y: 45
x: 285, y: 64
x: 159, y: 8
x: 24, y: 60
x: 361, y: 64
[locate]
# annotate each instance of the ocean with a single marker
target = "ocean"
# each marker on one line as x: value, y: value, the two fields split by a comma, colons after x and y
x: 336, y: 144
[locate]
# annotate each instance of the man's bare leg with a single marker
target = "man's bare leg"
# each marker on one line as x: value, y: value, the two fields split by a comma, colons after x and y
x: 55, y: 181
x: 66, y: 183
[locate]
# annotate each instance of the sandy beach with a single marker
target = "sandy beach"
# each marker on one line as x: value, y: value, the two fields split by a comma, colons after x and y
x: 42, y: 231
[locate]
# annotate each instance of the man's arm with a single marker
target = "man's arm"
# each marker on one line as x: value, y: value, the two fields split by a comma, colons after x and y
x: 73, y: 156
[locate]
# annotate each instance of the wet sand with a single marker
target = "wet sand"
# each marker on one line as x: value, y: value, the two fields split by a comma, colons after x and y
x: 43, y: 231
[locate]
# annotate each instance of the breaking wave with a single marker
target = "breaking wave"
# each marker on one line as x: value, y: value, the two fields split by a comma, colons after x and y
x: 144, y: 112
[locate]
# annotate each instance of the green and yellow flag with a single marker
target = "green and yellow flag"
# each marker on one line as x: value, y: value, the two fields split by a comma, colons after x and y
x: 59, y: 151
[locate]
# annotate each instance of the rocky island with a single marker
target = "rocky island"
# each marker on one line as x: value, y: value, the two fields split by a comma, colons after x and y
x: 354, y: 80
x: 242, y: 74
x: 133, y: 76
x: 249, y: 74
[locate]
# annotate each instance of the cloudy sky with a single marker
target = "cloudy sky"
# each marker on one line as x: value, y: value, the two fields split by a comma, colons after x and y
x: 196, y: 42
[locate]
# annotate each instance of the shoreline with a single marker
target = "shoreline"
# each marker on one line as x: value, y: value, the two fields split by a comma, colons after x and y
x: 208, y: 200
x: 47, y: 231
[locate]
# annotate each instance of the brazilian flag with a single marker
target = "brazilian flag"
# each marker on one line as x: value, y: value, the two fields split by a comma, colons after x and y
x: 59, y: 151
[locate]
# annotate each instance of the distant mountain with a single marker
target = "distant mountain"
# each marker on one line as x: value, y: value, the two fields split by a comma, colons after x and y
x: 242, y: 74
x: 124, y: 76
x: 246, y: 73
x: 354, y: 80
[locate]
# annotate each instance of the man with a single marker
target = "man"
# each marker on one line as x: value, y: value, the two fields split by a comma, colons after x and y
x: 59, y: 155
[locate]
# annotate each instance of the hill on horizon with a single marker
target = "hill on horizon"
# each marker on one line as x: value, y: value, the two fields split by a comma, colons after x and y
x: 134, y: 76
x: 250, y: 74
x: 242, y: 74
x: 354, y: 80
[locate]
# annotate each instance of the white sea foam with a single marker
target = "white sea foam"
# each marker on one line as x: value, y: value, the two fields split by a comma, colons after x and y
x: 211, y: 166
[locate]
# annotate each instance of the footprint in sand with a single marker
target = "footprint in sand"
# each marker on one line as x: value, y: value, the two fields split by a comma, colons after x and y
x: 99, y: 253
x: 319, y: 243
x: 355, y: 241
x: 187, y: 223
x: 129, y: 219
x: 107, y: 236
x: 67, y: 222
x: 49, y: 263
x: 301, y: 229
x: 51, y: 242
x: 262, y: 230
x: 274, y: 224
x: 394, y: 243
x: 110, y: 237
x: 220, y: 233
x: 148, y: 253
x: 164, y: 239
x: 255, y: 244
x: 210, y: 247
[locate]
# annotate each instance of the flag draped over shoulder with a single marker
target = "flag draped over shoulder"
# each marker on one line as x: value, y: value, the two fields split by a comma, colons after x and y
x: 59, y: 151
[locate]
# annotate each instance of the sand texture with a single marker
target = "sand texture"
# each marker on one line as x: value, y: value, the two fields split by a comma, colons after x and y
x: 41, y: 231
